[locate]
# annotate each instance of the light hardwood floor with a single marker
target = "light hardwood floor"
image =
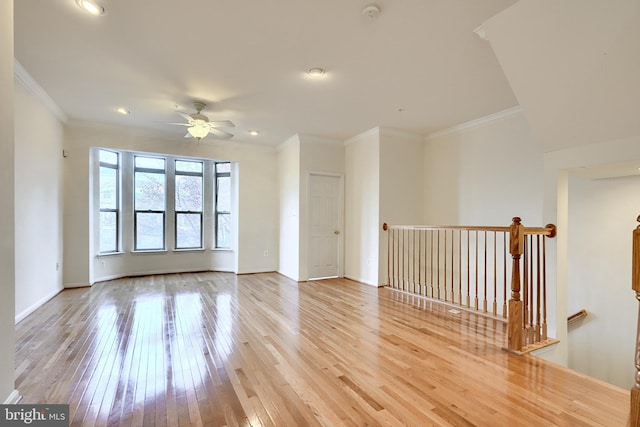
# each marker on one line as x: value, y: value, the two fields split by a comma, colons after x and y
x: 217, y: 349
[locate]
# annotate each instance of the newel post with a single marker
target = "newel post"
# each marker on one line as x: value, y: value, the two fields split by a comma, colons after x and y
x: 516, y: 249
x: 634, y: 414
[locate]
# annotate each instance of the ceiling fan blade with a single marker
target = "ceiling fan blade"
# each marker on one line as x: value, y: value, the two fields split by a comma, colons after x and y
x: 188, y: 135
x: 220, y: 133
x: 185, y: 115
x: 221, y: 124
x: 176, y: 124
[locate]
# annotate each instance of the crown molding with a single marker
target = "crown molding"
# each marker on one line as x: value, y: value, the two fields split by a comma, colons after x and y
x: 477, y: 123
x: 292, y: 140
x: 363, y: 135
x: 314, y: 139
x: 25, y: 79
x: 397, y: 133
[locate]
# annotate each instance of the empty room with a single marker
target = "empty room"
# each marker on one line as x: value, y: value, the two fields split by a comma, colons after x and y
x: 345, y: 213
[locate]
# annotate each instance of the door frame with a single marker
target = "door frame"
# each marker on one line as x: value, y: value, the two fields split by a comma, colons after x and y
x: 340, y: 251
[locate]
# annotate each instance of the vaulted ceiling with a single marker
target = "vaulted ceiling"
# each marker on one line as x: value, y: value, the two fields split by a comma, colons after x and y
x: 574, y: 66
x: 416, y: 67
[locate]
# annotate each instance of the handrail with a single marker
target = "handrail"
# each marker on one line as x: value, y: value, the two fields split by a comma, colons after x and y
x: 634, y: 412
x: 549, y: 230
x: 575, y: 316
x: 468, y: 266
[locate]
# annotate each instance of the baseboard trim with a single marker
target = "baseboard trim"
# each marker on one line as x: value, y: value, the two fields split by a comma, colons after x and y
x: 363, y: 281
x: 156, y: 272
x: 36, y: 305
x: 13, y: 398
x: 76, y: 285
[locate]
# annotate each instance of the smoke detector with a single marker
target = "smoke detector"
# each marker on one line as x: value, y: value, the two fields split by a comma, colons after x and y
x: 371, y: 11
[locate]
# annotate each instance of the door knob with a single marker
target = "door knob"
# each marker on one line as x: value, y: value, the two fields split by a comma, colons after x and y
x: 336, y: 232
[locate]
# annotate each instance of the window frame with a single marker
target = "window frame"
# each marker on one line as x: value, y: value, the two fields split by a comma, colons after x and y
x: 153, y: 211
x: 177, y: 212
x: 218, y: 213
x: 115, y: 210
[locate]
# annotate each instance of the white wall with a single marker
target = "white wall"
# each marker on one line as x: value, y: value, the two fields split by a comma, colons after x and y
x: 257, y: 207
x: 38, y: 186
x: 487, y: 171
x: 289, y: 185
x: 401, y: 186
x: 485, y: 174
x: 7, y: 226
x: 601, y: 219
x: 577, y: 84
x: 560, y: 169
x: 297, y: 157
x: 362, y: 207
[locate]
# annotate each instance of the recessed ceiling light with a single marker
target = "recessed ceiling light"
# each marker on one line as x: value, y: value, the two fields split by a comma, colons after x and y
x: 316, y: 72
x: 92, y: 7
x: 123, y: 111
x: 254, y: 132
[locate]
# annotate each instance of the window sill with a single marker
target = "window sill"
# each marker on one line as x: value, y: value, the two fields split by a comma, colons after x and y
x: 149, y: 251
x: 221, y: 250
x: 189, y: 250
x: 109, y: 254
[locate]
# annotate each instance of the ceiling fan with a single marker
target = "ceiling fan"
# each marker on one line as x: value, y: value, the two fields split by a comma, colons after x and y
x: 198, y: 125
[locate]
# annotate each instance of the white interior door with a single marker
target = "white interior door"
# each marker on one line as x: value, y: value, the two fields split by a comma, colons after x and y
x: 325, y: 215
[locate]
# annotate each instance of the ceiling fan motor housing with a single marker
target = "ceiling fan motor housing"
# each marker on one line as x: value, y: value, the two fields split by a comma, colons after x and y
x: 198, y: 116
x: 199, y: 106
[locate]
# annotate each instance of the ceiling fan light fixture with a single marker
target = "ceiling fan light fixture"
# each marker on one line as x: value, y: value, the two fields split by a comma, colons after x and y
x: 198, y: 131
x: 199, y: 126
x: 92, y: 7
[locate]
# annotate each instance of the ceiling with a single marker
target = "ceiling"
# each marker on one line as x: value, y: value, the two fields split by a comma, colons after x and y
x: 417, y: 67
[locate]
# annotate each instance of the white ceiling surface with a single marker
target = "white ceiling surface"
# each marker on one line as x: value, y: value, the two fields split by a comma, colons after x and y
x: 574, y: 66
x: 418, y: 67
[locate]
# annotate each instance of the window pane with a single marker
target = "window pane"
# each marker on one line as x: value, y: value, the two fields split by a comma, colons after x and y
x: 188, y: 231
x: 185, y: 166
x: 108, y: 232
x: 188, y: 193
x: 223, y: 167
x: 223, y: 192
x: 108, y: 188
x: 223, y: 233
x: 149, y: 163
x: 108, y: 157
x: 149, y: 230
x: 149, y: 191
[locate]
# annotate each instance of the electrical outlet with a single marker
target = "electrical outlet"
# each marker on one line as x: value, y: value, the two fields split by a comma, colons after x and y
x: 266, y: 253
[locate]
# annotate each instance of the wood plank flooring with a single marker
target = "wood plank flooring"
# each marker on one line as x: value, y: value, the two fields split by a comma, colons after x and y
x: 215, y: 349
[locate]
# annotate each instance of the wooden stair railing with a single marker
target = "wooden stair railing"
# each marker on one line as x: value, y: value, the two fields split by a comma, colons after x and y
x: 577, y: 316
x: 527, y: 328
x: 467, y: 267
x: 634, y: 413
